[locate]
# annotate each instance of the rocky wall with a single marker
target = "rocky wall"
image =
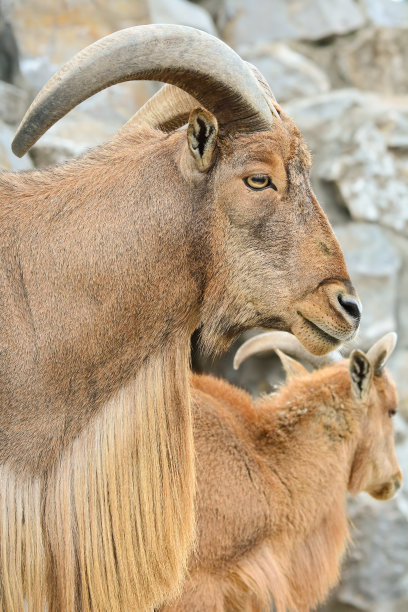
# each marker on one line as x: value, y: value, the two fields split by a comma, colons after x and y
x: 339, y: 68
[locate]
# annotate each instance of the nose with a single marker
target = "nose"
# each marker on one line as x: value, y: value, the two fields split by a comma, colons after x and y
x: 351, y: 306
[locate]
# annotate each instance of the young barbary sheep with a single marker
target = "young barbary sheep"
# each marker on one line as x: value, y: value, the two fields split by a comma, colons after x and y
x: 108, y: 264
x: 273, y: 477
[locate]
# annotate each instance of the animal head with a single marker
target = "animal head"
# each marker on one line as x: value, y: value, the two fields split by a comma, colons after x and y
x: 272, y: 259
x: 369, y: 394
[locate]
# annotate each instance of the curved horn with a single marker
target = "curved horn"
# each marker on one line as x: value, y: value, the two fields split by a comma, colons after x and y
x: 380, y: 352
x: 193, y: 60
x: 170, y: 107
x: 287, y: 343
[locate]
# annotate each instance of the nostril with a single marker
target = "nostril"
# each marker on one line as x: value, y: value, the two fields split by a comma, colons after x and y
x: 351, y: 306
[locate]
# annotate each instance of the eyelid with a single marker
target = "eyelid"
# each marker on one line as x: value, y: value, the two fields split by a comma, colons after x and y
x: 261, y: 176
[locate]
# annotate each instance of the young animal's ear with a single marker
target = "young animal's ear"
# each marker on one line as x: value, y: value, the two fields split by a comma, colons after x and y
x: 202, y: 134
x: 361, y: 374
x: 293, y: 368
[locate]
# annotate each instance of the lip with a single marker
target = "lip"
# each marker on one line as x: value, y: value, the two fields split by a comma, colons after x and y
x: 326, y: 337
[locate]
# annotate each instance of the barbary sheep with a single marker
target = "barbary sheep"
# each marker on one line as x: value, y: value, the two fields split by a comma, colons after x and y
x: 108, y: 264
x: 273, y: 476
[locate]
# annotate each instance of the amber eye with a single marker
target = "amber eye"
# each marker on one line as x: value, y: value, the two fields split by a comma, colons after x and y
x: 392, y: 413
x: 259, y: 182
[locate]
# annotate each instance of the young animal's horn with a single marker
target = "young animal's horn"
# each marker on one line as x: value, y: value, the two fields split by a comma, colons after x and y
x: 380, y: 352
x: 193, y: 60
x: 287, y: 343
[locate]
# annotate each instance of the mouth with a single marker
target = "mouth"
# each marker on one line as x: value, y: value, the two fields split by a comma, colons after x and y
x: 323, y: 335
x: 387, y: 491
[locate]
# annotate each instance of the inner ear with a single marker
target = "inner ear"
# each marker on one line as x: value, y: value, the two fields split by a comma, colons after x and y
x: 361, y: 374
x: 202, y: 134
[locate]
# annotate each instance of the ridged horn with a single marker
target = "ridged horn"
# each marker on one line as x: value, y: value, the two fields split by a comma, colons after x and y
x: 170, y: 107
x: 194, y: 61
x: 380, y: 352
x: 285, y: 342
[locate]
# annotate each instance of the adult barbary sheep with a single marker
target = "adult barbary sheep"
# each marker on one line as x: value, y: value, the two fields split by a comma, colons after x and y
x: 108, y: 264
x: 273, y: 477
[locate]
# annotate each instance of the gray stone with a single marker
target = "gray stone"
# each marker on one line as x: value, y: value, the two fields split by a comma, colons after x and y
x: 386, y: 13
x: 398, y: 367
x: 71, y: 137
x: 290, y: 74
x: 373, y: 264
x: 375, y: 59
x: 8, y: 161
x: 270, y: 20
x: 182, y: 12
x: 13, y: 103
x: 375, y: 573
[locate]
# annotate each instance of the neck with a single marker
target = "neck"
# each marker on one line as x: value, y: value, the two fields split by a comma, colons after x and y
x: 105, y: 277
x: 308, y: 434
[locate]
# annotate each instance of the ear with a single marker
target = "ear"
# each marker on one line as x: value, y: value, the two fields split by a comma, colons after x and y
x: 293, y: 368
x: 361, y: 374
x: 202, y: 134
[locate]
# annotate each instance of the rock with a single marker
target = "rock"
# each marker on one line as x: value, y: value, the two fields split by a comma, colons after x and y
x: 375, y: 59
x: 386, y: 13
x: 290, y: 74
x: 8, y: 161
x: 270, y: 20
x: 358, y: 142
x: 50, y: 33
x: 375, y: 574
x: 373, y: 264
x: 13, y: 103
x: 71, y: 137
x: 182, y: 12
x: 398, y: 367
x: 9, y: 56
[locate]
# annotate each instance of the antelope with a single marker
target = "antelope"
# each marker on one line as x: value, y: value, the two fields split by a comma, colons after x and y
x: 108, y: 264
x: 273, y: 477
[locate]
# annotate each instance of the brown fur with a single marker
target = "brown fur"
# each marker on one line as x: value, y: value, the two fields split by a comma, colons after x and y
x: 107, y: 265
x: 272, y: 482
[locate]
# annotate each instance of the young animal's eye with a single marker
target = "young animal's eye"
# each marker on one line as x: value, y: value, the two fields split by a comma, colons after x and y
x: 392, y: 413
x: 259, y: 182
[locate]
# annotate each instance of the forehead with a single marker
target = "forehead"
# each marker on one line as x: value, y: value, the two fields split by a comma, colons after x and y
x: 284, y: 141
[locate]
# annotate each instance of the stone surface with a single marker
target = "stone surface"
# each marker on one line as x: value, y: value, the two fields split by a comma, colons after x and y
x: 270, y: 20
x: 375, y: 59
x: 8, y: 161
x: 182, y: 12
x: 290, y: 74
x: 392, y: 13
x: 359, y: 144
x: 72, y: 136
x: 13, y: 103
x: 375, y: 573
x: 374, y: 265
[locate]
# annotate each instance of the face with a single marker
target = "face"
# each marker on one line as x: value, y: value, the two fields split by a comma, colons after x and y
x: 277, y: 262
x: 376, y: 468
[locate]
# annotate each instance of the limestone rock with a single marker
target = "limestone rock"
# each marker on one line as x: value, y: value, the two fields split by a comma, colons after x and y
x: 13, y: 103
x: 290, y: 74
x: 373, y: 264
x: 375, y: 573
x: 182, y: 12
x: 375, y: 59
x: 72, y: 136
x: 270, y: 20
x: 8, y: 161
x: 386, y: 13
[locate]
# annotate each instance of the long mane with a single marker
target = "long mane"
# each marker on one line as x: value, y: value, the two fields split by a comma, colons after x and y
x: 118, y: 502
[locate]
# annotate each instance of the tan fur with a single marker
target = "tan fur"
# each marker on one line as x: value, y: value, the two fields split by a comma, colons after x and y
x: 272, y: 482
x: 107, y: 266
